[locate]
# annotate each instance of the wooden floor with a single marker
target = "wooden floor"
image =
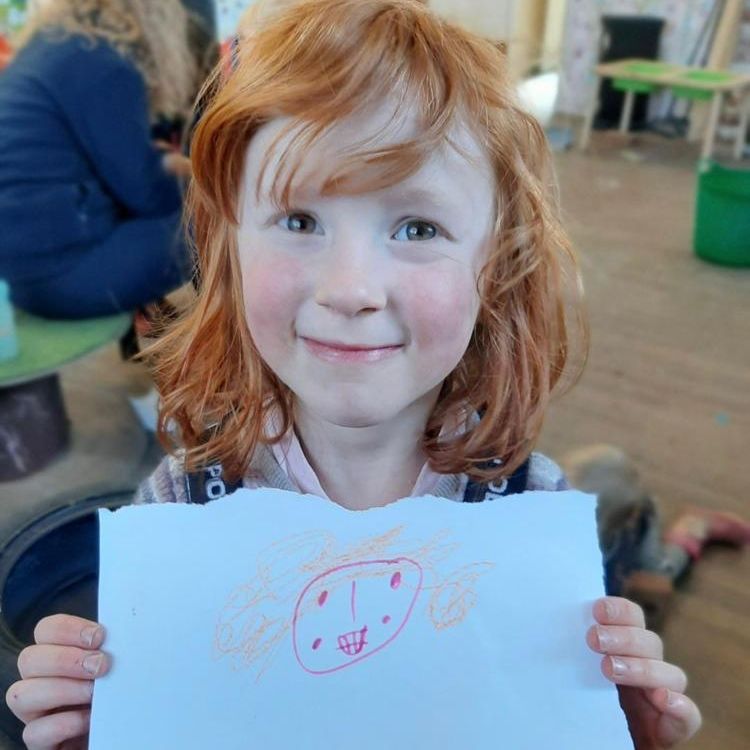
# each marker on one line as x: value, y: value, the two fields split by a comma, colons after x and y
x: 668, y: 381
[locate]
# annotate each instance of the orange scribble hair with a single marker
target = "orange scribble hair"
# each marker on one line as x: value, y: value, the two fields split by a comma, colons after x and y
x: 317, y: 62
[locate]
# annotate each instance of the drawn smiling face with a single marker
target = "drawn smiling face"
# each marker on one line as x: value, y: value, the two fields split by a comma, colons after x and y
x: 352, y: 611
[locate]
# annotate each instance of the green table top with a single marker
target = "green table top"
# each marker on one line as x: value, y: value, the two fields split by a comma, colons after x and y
x: 646, y: 68
x: 670, y: 74
x: 706, y: 76
x: 45, y: 345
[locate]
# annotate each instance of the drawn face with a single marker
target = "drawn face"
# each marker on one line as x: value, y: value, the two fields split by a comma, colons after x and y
x: 350, y: 612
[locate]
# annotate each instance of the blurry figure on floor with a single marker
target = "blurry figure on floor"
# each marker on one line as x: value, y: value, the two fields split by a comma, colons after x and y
x: 642, y: 561
x: 90, y: 205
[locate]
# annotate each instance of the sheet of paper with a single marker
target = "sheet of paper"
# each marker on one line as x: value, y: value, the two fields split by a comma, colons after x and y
x: 274, y: 620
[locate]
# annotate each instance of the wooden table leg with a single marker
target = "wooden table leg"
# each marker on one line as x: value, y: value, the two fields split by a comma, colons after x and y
x: 588, y: 123
x: 713, y: 121
x: 627, y: 111
x: 739, y: 144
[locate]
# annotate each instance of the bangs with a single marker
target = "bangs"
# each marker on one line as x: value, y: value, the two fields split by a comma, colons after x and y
x: 360, y: 58
x: 389, y: 153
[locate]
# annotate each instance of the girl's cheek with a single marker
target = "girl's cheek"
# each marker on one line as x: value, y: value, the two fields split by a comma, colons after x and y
x: 271, y: 289
x: 442, y: 308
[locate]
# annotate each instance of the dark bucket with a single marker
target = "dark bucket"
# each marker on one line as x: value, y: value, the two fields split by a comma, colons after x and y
x: 48, y: 567
x: 35, y: 426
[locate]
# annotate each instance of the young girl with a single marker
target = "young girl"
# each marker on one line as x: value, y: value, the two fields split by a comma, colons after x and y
x: 381, y: 311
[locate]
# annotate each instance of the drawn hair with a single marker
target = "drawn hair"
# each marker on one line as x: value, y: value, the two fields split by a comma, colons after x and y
x: 155, y: 36
x: 318, y: 62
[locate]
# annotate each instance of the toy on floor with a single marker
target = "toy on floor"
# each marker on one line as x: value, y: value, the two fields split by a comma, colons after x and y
x: 641, y: 562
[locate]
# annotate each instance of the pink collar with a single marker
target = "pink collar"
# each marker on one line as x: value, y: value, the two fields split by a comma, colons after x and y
x: 291, y: 458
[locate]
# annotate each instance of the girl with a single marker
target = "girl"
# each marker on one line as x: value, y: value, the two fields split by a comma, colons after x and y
x: 90, y: 207
x: 381, y: 312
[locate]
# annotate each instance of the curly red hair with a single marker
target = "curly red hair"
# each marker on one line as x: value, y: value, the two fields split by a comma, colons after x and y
x: 317, y: 62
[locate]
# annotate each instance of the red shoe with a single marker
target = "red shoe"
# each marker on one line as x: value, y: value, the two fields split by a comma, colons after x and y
x: 697, y: 527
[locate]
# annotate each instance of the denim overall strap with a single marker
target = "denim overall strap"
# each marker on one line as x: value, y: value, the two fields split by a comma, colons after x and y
x: 477, y: 492
x: 208, y: 484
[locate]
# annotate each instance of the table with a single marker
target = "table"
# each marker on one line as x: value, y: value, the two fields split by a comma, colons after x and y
x: 33, y: 422
x: 635, y: 76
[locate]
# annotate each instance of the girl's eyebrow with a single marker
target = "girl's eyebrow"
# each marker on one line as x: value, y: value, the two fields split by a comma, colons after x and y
x: 394, y: 197
x: 430, y: 198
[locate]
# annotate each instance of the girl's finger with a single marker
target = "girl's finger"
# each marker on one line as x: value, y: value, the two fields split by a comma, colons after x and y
x: 620, y: 640
x: 29, y: 699
x: 61, y: 661
x: 680, y: 718
x: 614, y: 610
x: 644, y: 673
x: 47, y: 732
x: 67, y: 630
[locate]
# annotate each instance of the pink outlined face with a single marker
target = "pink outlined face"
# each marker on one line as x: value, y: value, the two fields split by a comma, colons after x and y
x: 350, y: 612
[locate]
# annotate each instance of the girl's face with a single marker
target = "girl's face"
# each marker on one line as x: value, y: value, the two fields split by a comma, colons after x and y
x: 363, y: 304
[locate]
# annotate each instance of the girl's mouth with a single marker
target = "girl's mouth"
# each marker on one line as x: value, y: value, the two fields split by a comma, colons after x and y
x: 334, y: 351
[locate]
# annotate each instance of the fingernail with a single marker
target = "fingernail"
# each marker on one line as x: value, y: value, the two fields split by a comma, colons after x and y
x: 619, y: 667
x: 606, y: 641
x: 610, y: 609
x: 89, y: 634
x: 92, y: 663
x: 673, y: 699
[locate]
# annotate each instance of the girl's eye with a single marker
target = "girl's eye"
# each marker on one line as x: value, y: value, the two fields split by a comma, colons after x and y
x: 416, y: 231
x: 300, y: 223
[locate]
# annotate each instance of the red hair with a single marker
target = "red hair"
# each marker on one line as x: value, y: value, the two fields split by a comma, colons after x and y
x: 317, y: 62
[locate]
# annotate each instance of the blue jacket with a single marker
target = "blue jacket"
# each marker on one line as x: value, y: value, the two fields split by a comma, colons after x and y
x: 76, y: 155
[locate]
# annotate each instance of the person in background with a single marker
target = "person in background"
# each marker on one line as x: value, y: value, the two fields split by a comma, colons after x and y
x: 644, y: 558
x: 90, y: 205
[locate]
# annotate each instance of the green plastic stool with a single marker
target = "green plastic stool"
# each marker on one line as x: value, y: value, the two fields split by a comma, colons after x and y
x: 722, y: 215
x: 623, y: 83
x: 699, y: 76
x: 34, y: 427
x: 639, y: 87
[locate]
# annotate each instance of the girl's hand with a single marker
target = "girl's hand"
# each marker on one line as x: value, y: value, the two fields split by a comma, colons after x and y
x: 53, y: 698
x: 651, y: 691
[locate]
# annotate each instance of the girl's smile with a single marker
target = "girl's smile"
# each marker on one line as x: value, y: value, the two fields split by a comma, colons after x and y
x: 331, y: 351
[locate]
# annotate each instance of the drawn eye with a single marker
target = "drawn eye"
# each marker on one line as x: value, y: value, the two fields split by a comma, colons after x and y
x: 386, y: 619
x: 396, y: 580
x: 316, y: 643
x: 322, y: 598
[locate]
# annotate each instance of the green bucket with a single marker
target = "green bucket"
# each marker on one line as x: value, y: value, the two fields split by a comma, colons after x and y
x: 722, y: 215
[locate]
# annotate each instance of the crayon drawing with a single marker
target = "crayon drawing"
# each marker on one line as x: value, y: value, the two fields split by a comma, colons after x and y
x: 335, y: 610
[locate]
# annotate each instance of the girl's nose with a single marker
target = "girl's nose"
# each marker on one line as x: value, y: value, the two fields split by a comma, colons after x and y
x: 351, y: 283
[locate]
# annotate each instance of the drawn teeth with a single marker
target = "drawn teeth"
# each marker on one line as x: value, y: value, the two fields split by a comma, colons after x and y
x: 353, y: 643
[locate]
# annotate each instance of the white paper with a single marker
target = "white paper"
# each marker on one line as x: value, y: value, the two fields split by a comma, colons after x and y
x: 275, y: 620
